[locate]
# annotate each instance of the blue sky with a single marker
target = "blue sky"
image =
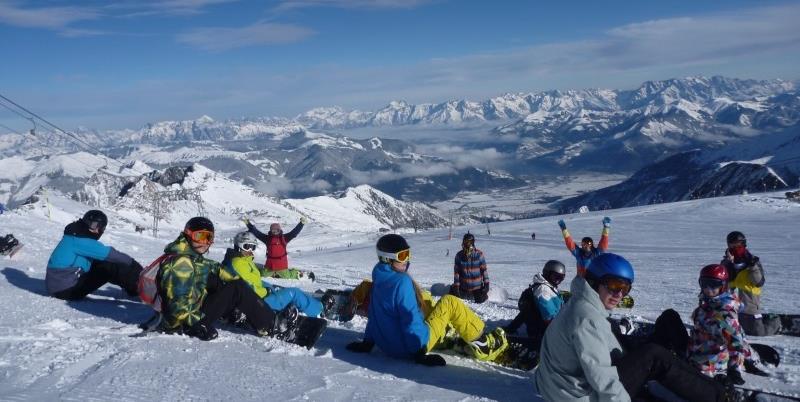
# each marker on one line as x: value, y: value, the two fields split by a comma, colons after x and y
x: 120, y: 65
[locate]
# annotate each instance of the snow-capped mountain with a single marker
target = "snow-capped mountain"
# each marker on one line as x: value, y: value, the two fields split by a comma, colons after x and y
x: 757, y: 165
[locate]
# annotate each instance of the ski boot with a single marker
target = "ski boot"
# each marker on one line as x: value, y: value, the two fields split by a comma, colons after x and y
x: 285, y: 322
x: 328, y: 301
x: 489, y: 345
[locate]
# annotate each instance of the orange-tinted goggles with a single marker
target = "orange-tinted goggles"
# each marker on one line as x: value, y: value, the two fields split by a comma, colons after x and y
x: 617, y: 285
x: 200, y: 236
x: 400, y: 256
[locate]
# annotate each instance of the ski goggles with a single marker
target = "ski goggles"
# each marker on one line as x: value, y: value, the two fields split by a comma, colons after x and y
x: 617, y: 285
x: 711, y: 283
x: 249, y: 247
x: 555, y: 278
x: 200, y: 236
x: 400, y: 256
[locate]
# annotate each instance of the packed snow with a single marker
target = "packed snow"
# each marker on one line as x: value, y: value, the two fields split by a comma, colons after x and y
x: 56, y: 350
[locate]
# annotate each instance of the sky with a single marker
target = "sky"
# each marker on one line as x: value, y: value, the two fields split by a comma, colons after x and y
x: 115, y: 65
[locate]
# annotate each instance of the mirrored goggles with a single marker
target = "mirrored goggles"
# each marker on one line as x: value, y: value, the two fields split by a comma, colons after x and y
x: 200, y: 236
x: 249, y: 246
x: 711, y: 283
x: 400, y: 256
x: 617, y: 285
x: 555, y: 278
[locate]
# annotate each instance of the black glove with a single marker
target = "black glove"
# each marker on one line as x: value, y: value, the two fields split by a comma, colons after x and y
x: 201, y: 331
x: 734, y: 376
x: 360, y: 347
x: 485, y: 288
x: 431, y: 360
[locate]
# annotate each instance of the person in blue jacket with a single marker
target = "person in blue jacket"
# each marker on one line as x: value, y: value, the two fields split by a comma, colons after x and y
x: 81, y: 264
x: 397, y: 323
x: 540, y: 302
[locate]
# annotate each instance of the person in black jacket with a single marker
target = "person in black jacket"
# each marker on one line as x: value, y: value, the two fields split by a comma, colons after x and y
x: 540, y: 302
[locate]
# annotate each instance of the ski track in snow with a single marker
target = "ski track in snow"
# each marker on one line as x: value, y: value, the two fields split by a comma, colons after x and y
x: 82, y: 351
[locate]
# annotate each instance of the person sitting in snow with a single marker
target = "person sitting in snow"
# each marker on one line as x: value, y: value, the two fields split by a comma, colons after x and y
x: 238, y: 264
x: 587, y: 251
x: 277, y: 263
x: 540, y: 302
x: 582, y: 360
x: 717, y: 346
x: 747, y: 275
x: 192, y: 293
x: 397, y: 323
x: 470, y: 276
x: 81, y: 264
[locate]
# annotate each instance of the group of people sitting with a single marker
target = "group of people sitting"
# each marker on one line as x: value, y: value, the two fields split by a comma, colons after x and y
x: 581, y: 357
x: 194, y: 290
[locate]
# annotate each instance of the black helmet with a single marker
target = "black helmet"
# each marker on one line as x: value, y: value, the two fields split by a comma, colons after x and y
x: 468, y: 237
x: 554, y: 266
x: 735, y: 237
x: 95, y: 220
x: 392, y: 243
x: 199, y: 223
x: 587, y: 239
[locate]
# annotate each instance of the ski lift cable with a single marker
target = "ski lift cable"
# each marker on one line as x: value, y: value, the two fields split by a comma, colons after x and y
x: 81, y: 143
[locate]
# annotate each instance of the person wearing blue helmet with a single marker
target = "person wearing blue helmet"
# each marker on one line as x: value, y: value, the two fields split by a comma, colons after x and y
x: 582, y: 360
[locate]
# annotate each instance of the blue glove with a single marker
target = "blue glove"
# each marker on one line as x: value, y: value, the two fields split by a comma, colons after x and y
x: 606, y: 222
x: 562, y: 225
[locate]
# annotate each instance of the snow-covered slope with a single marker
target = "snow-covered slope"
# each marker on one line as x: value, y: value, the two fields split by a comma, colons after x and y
x: 56, y: 350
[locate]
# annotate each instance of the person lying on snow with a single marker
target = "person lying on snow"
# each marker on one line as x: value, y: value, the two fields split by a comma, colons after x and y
x: 81, y: 264
x: 540, y: 302
x: 192, y: 293
x: 396, y: 322
x: 582, y: 360
x: 238, y: 264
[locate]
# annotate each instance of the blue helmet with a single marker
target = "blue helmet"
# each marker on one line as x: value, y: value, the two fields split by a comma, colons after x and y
x: 609, y: 264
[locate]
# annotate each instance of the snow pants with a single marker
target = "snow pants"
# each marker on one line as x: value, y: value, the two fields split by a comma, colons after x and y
x: 288, y: 273
x: 652, y: 362
x: 760, y: 325
x: 279, y: 299
x: 451, y: 310
x: 100, y: 273
x: 224, y: 297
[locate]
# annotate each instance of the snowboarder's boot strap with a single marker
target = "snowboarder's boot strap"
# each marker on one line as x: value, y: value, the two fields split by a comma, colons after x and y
x: 489, y: 345
x: 328, y: 301
x: 285, y: 321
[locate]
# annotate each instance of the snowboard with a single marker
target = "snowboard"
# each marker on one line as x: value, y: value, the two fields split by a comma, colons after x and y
x: 10, y: 253
x: 520, y: 354
x: 645, y: 329
x: 10, y: 245
x: 790, y: 323
x: 496, y: 294
x: 305, y: 332
x: 339, y: 311
x: 754, y: 394
x: 626, y: 302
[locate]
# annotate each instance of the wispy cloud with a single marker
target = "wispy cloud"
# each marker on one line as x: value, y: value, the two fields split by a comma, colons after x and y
x: 52, y: 18
x: 164, y: 7
x: 261, y: 33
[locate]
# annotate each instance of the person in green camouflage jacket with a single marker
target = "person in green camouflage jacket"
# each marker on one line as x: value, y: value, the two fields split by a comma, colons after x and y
x: 193, y: 294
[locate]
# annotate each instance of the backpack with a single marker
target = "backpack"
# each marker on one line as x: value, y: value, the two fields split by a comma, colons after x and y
x: 148, y: 283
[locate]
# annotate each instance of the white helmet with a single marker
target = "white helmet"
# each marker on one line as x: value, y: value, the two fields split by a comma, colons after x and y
x: 245, y: 240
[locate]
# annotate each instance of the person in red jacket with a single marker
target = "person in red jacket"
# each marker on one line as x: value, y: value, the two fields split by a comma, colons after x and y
x: 277, y: 264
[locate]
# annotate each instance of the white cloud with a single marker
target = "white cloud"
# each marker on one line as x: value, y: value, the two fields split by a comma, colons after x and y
x: 261, y: 33
x: 54, y: 18
x: 166, y: 7
x: 297, y: 4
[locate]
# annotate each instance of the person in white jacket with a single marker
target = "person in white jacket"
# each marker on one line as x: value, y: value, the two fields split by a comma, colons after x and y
x: 582, y: 360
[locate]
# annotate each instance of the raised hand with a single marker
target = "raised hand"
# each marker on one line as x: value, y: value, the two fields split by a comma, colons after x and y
x: 562, y: 224
x: 606, y: 222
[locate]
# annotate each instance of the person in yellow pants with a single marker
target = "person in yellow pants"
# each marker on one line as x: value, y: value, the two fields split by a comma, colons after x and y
x: 397, y: 323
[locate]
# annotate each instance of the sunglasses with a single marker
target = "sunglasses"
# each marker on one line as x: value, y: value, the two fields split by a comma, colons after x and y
x: 710, y: 283
x: 200, y: 236
x: 249, y: 247
x: 400, y: 256
x: 617, y: 285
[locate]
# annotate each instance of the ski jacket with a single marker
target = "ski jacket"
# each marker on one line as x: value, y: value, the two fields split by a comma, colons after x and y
x: 748, y: 277
x: 469, y: 271
x: 277, y: 259
x: 583, y: 260
x: 236, y: 265
x: 717, y: 340
x: 395, y: 321
x: 182, y: 280
x: 576, y: 353
x: 73, y: 257
x: 538, y: 305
